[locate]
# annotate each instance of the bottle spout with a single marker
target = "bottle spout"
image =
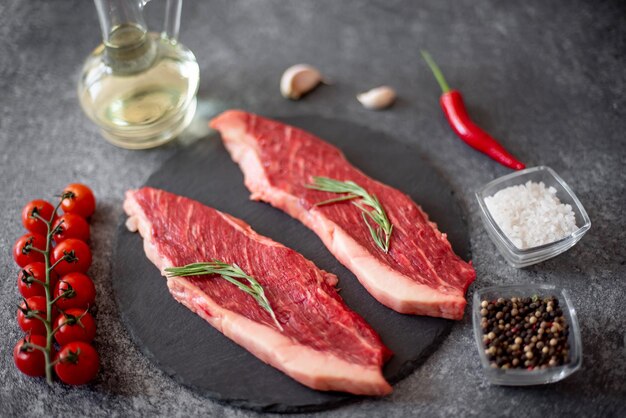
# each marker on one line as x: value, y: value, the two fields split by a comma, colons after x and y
x: 171, y: 26
x: 113, y: 14
x: 128, y: 47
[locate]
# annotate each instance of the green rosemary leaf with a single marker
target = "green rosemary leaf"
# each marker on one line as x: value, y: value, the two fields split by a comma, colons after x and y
x: 337, y: 199
x: 230, y: 273
x: 367, y: 203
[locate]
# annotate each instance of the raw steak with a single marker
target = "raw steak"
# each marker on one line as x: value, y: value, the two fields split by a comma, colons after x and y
x: 420, y: 274
x: 323, y: 345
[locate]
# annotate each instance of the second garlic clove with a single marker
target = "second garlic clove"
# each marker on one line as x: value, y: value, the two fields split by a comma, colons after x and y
x: 377, y: 98
x: 298, y: 80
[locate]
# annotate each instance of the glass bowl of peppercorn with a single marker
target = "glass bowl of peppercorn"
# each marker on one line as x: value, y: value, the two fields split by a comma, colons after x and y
x: 526, y: 334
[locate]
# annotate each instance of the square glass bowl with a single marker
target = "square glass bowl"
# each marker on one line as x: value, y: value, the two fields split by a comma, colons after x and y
x: 523, y: 377
x: 514, y: 255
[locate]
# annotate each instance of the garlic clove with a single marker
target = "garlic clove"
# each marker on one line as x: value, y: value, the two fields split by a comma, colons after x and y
x: 298, y: 80
x: 377, y: 98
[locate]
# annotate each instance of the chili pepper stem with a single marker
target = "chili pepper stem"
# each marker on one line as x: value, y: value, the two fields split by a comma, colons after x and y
x: 445, y: 88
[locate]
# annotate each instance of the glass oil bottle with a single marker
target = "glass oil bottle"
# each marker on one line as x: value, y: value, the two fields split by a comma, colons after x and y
x: 139, y: 87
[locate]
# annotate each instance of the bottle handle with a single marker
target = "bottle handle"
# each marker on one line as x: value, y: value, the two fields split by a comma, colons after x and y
x: 171, y: 25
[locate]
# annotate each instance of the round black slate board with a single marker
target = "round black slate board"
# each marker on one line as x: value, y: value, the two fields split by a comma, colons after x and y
x: 198, y: 356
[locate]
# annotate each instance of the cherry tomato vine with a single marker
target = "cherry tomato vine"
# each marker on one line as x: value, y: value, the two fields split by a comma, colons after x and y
x: 57, y: 294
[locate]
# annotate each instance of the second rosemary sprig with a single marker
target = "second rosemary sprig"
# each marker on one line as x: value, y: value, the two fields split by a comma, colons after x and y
x: 231, y: 273
x: 381, y: 233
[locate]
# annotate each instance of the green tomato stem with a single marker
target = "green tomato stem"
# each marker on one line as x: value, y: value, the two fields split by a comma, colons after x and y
x: 49, y: 303
x: 50, y: 268
x: 29, y: 344
x: 62, y: 295
x: 33, y: 280
x: 49, y: 300
x: 31, y: 248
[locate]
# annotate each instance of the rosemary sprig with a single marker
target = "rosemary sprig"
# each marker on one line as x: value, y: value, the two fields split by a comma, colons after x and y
x: 381, y: 234
x: 229, y: 272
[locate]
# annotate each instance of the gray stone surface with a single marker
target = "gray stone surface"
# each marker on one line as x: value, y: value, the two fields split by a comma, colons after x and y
x: 547, y: 78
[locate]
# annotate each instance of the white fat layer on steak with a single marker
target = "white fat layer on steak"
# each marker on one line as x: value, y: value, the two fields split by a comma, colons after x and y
x: 321, y: 371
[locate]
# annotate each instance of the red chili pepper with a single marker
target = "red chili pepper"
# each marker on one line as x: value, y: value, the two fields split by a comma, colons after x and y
x: 454, y: 109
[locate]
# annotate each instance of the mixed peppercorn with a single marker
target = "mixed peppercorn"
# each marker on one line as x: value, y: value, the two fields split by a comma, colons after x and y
x: 524, y: 333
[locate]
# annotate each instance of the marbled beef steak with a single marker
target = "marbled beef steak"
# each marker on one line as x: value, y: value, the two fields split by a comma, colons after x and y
x: 323, y: 344
x: 420, y: 274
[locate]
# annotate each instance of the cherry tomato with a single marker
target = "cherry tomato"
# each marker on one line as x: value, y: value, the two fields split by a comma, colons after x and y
x: 80, y: 200
x: 79, y: 253
x: 83, y: 291
x: 78, y: 363
x: 24, y: 256
x: 71, y: 225
x: 31, y: 324
x: 36, y: 271
x: 30, y: 361
x: 69, y: 328
x: 34, y: 225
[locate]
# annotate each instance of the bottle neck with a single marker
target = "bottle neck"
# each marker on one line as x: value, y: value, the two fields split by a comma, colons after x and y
x: 129, y: 48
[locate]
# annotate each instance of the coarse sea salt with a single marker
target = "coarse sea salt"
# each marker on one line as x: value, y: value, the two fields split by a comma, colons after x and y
x: 531, y: 215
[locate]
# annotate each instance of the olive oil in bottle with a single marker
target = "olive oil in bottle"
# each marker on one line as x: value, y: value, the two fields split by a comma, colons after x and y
x: 139, y: 87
